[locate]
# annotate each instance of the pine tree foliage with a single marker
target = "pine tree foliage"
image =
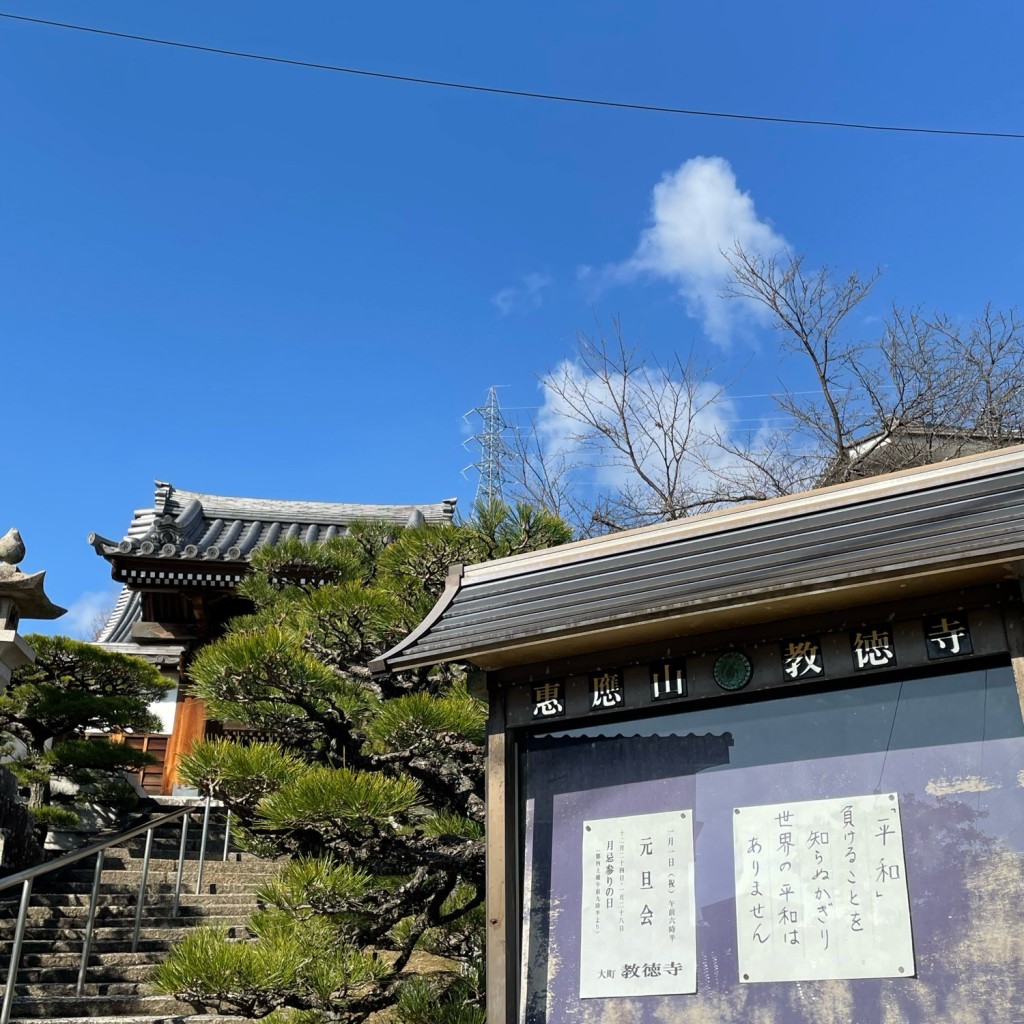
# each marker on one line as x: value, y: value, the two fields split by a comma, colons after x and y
x: 373, y: 786
x: 73, y: 687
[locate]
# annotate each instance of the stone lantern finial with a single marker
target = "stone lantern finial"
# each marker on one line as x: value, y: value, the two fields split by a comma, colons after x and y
x: 12, y: 551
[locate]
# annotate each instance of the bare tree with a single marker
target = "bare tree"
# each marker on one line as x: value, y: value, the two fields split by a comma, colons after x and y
x: 927, y: 389
x: 656, y: 442
x: 809, y: 311
x: 644, y: 431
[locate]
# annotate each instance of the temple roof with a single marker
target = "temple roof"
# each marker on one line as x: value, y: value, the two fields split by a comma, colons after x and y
x: 189, y: 525
x: 221, y: 533
x: 118, y: 627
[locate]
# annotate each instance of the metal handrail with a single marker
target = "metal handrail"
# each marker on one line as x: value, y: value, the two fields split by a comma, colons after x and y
x: 29, y: 875
x: 8, y: 881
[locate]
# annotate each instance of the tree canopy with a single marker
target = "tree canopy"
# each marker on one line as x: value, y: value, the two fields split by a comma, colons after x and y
x: 373, y: 786
x: 74, y: 687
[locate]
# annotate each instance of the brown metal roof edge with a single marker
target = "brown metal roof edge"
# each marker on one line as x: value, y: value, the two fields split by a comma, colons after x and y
x: 918, y: 480
x: 653, y: 625
x: 793, y: 506
x: 452, y: 585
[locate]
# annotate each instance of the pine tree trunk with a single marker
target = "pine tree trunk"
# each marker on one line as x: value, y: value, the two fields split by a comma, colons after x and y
x: 38, y: 794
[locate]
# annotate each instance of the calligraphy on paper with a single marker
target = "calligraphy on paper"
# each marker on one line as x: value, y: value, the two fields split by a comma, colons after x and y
x: 821, y: 890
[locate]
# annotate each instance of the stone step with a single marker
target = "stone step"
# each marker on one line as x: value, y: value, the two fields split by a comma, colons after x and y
x: 70, y: 1007
x: 107, y: 987
x: 163, y: 871
x: 119, y: 883
x: 97, y: 959
x: 214, y: 852
x: 79, y: 901
x: 147, y: 944
x: 159, y: 1018
x: 169, y: 865
x: 155, y: 928
x: 165, y: 928
x: 52, y: 975
x: 105, y: 911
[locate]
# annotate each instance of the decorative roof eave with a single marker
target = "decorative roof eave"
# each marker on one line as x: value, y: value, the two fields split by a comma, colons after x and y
x: 919, y: 531
x: 452, y: 585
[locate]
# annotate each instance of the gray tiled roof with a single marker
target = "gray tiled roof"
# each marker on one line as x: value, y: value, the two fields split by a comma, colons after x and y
x: 118, y: 627
x: 184, y: 526
x: 191, y: 525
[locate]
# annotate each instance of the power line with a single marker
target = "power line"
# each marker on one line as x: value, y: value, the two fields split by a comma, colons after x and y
x: 520, y: 93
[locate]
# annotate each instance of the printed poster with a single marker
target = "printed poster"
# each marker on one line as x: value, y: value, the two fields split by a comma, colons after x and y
x: 638, y: 933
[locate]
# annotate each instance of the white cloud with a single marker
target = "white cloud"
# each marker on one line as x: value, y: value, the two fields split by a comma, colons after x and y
x: 522, y: 298
x: 88, y: 612
x: 697, y: 213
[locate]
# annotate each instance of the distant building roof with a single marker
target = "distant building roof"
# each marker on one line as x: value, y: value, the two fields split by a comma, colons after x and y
x: 909, y: 445
x: 189, y: 537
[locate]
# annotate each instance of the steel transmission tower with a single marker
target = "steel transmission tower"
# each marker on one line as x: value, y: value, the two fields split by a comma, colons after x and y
x: 493, y: 449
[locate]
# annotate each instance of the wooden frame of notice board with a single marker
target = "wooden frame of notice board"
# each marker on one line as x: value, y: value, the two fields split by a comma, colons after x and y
x: 551, y: 698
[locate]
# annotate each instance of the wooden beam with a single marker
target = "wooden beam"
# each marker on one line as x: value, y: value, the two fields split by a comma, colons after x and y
x: 189, y: 726
x: 143, y: 631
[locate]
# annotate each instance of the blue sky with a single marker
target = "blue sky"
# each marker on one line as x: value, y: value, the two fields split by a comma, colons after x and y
x: 268, y: 281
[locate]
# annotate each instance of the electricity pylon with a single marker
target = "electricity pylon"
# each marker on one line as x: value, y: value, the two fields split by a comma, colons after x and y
x: 493, y: 449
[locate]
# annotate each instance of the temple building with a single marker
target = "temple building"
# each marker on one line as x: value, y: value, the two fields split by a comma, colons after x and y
x: 179, y: 565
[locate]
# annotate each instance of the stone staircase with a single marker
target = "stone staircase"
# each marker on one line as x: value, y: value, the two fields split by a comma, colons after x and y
x: 116, y: 983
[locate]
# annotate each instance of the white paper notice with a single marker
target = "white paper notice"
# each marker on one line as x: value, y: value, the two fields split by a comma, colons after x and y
x: 821, y: 890
x: 638, y: 933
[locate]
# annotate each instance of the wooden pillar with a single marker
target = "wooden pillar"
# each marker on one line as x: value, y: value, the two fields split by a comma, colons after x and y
x: 502, y: 844
x: 1014, y: 619
x: 189, y: 726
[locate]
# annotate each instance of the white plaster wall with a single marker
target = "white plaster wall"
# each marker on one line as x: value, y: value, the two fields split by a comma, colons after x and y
x: 164, y: 710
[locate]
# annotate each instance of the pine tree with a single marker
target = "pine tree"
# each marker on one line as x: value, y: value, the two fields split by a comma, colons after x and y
x: 373, y: 786
x: 46, y: 710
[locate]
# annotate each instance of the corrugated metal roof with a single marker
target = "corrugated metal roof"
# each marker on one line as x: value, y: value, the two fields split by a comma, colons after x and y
x: 929, y: 520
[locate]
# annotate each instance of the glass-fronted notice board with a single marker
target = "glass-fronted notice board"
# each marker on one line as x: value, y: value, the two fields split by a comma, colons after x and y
x: 843, y: 856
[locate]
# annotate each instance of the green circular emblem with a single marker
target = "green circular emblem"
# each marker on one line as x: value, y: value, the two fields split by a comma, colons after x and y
x: 733, y: 670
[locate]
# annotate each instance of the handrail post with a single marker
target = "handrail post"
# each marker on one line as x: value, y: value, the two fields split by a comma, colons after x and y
x: 142, y: 890
x: 181, y: 866
x: 90, y: 921
x: 19, y: 938
x: 202, y: 846
x: 227, y: 835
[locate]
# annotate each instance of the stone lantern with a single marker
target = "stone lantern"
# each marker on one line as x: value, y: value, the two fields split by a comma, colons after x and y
x: 21, y: 597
